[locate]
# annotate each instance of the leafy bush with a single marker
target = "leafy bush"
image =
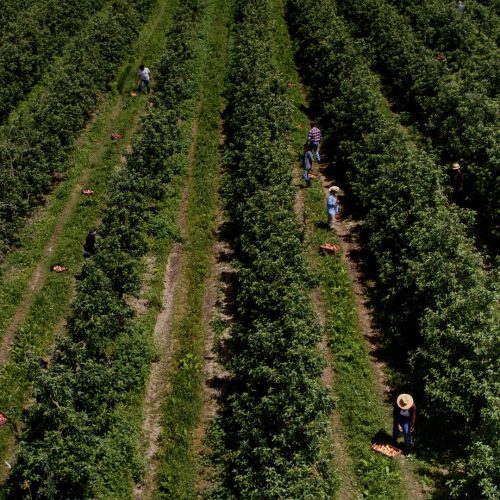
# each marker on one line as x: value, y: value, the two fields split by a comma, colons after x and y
x: 457, y: 111
x: 269, y: 436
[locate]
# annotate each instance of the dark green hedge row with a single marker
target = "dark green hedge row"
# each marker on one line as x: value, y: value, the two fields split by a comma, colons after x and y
x: 273, y: 419
x: 29, y: 42
x: 36, y: 142
x: 453, y: 109
x: 105, y: 357
x: 436, y: 308
x: 459, y: 38
x: 15, y: 9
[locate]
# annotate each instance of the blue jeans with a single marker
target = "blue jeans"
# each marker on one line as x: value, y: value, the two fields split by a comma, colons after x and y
x: 406, y: 425
x: 144, y: 83
x: 314, y: 147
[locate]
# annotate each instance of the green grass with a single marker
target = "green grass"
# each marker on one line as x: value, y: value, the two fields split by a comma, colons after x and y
x: 100, y: 157
x: 178, y: 468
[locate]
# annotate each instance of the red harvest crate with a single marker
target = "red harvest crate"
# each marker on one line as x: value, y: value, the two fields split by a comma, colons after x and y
x: 330, y: 248
x: 3, y: 419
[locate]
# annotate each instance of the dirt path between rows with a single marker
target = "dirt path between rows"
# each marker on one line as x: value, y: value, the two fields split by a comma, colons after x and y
x: 350, y: 247
x: 343, y: 463
x: 218, y: 307
x: 157, y: 386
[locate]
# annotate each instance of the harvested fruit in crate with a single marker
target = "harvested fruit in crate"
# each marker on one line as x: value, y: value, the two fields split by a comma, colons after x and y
x: 330, y: 248
x: 3, y: 419
x: 57, y: 268
x: 87, y: 192
x: 386, y: 449
x: 115, y: 136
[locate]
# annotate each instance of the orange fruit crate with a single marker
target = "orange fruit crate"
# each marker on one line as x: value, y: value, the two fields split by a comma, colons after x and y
x: 330, y: 248
x: 386, y: 449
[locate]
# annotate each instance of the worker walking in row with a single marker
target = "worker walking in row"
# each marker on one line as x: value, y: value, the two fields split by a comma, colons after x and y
x: 457, y: 184
x: 332, y: 205
x: 405, y: 414
x: 144, y: 75
x: 89, y: 245
x: 308, y: 163
x: 314, y: 138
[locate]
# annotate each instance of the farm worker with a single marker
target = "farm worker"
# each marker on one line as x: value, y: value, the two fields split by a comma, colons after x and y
x: 405, y: 414
x: 314, y: 138
x: 144, y: 78
x: 460, y: 7
x: 457, y: 184
x: 308, y: 162
x: 332, y: 205
x: 89, y: 245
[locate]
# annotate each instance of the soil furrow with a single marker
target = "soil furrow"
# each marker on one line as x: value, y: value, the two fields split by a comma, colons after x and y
x: 155, y: 388
x: 343, y: 463
x: 172, y: 300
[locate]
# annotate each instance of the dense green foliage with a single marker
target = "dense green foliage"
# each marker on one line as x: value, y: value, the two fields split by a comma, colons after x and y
x: 36, y: 141
x: 103, y: 357
x: 73, y: 425
x: 435, y: 306
x: 28, y: 44
x: 453, y: 108
x: 458, y: 38
x: 269, y: 435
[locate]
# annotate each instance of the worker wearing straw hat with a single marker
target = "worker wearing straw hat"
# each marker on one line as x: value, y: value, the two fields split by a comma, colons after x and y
x: 405, y: 413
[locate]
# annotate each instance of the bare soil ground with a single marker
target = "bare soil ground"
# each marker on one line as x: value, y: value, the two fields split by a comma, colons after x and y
x: 218, y: 308
x: 156, y: 385
x: 343, y: 464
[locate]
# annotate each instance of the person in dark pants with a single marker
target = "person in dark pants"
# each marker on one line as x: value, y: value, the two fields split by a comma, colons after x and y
x: 405, y: 414
x: 89, y: 245
x: 457, y: 184
x: 144, y: 78
x: 308, y: 163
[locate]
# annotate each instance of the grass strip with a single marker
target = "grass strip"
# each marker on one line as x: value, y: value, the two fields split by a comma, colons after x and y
x: 178, y: 465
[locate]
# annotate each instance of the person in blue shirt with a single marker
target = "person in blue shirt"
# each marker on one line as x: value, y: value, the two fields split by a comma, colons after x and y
x: 332, y: 205
x: 308, y: 163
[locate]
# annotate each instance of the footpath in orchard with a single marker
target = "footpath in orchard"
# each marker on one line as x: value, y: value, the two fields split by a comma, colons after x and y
x: 34, y: 300
x: 354, y: 374
x: 176, y: 407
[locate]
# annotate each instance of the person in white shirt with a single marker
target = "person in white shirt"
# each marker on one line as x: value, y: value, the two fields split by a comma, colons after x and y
x: 144, y: 78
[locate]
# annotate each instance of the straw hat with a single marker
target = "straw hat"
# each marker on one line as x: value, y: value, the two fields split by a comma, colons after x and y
x: 404, y: 401
x: 456, y: 166
x: 334, y: 189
